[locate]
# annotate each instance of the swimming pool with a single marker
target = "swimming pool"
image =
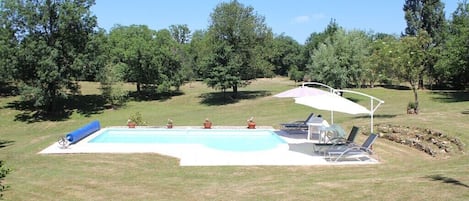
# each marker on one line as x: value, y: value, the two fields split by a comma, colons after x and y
x: 239, y: 140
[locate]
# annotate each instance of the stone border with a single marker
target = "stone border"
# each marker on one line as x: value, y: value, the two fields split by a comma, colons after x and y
x: 432, y: 142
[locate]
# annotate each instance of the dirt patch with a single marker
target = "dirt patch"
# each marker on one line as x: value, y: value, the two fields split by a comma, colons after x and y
x: 432, y: 142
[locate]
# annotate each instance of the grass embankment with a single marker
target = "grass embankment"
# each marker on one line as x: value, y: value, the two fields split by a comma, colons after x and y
x: 404, y: 174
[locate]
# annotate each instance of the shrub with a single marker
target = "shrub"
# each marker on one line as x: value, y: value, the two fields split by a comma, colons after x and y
x: 3, y: 173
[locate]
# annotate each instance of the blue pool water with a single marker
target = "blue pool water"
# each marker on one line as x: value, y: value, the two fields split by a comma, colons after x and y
x: 222, y: 139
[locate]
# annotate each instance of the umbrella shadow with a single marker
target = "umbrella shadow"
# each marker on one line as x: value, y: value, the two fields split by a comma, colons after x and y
x: 447, y: 180
x: 303, y: 148
x: 297, y: 142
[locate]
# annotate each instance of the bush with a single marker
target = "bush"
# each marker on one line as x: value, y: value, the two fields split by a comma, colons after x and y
x: 411, y: 105
x: 3, y: 173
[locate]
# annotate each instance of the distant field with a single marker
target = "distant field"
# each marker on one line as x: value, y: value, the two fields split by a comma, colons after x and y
x: 404, y: 173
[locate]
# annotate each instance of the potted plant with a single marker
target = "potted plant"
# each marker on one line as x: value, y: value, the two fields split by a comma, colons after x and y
x: 169, y: 124
x: 135, y: 120
x: 207, y: 123
x: 251, y: 123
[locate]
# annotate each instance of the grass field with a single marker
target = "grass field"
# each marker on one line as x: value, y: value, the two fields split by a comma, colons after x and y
x: 403, y: 174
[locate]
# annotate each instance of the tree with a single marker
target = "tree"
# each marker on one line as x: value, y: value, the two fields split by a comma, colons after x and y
x: 236, y: 34
x: 411, y: 60
x: 453, y: 64
x: 7, y: 47
x: 285, y: 54
x: 339, y: 61
x: 380, y: 63
x: 427, y: 15
x: 180, y: 33
x: 316, y: 39
x: 198, y: 51
x: 97, y: 57
x: 168, y: 61
x: 52, y: 37
x: 132, y: 45
x: 150, y: 57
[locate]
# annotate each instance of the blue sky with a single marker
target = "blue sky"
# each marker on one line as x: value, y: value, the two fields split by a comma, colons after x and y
x: 295, y: 18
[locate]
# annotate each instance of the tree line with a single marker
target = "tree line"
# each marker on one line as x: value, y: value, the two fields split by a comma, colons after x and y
x: 48, y: 46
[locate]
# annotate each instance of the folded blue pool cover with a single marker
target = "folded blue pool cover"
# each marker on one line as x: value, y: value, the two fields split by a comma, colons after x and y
x: 82, y: 132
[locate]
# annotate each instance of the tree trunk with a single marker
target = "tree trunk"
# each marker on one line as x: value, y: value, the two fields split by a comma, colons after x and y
x: 52, y: 99
x: 421, y: 83
x: 138, y: 87
x: 416, y: 99
x: 235, y: 91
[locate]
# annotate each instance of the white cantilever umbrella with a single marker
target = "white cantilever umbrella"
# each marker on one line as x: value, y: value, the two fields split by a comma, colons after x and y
x: 324, y: 100
x: 302, y: 91
x: 333, y: 102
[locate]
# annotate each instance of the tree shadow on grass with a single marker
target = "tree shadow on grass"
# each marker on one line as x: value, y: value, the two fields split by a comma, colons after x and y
x: 86, y: 105
x: 447, y: 180
x: 5, y: 143
x: 396, y: 87
x: 8, y: 90
x: 149, y: 95
x: 220, y: 98
x: 451, y: 96
x: 376, y: 116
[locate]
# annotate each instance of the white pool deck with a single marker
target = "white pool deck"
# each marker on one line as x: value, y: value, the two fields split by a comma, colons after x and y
x: 298, y: 152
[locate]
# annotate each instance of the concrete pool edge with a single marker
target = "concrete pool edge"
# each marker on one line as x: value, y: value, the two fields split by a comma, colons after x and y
x: 199, y: 155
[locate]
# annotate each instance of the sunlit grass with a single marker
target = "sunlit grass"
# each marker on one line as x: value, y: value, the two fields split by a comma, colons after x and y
x: 404, y: 173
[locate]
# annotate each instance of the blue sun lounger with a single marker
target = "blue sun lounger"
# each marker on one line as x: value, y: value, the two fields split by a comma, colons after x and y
x: 298, y: 125
x: 336, y: 153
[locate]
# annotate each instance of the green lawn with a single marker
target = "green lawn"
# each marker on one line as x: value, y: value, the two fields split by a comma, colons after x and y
x: 404, y: 173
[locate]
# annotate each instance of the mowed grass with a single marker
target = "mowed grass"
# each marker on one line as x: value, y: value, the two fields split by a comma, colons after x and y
x: 403, y: 174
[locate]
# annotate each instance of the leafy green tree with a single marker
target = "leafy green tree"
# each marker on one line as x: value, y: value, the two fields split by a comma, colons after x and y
x: 150, y: 57
x: 236, y: 34
x: 7, y: 48
x: 97, y: 57
x: 198, y: 51
x: 316, y: 39
x: 168, y: 61
x: 181, y: 33
x: 295, y: 74
x: 453, y: 64
x: 112, y: 85
x: 52, y: 37
x: 426, y: 15
x: 339, y: 62
x: 285, y: 54
x: 380, y: 63
x: 411, y: 60
x: 134, y: 46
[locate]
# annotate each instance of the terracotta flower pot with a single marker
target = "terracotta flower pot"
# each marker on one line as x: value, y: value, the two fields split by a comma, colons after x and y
x: 131, y: 124
x: 251, y: 125
x: 207, y: 124
x: 169, y: 125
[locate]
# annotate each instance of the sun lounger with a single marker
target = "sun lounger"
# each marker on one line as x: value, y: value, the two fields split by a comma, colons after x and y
x: 298, y: 125
x: 336, y: 153
x: 338, y: 141
x: 340, y: 138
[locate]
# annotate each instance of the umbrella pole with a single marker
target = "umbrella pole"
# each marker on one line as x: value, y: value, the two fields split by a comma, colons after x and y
x: 332, y: 116
x: 371, y: 113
